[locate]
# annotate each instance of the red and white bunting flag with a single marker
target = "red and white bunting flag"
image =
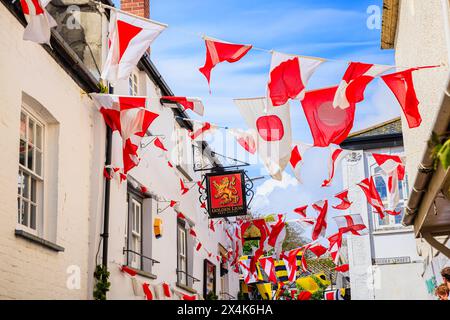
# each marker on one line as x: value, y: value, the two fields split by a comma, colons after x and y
x: 393, y: 171
x: 288, y: 77
x: 306, y: 222
x: 321, y: 222
x: 268, y: 265
x: 402, y: 86
x: 355, y: 80
x: 337, y: 154
x: 342, y: 268
x: 373, y: 197
x: 200, y: 185
x: 274, y: 134
x: 249, y: 276
x: 318, y: 249
x: 129, y: 38
x: 211, y: 226
x: 218, y: 51
x: 301, y: 210
x: 345, y: 203
x: 201, y: 129
x: 335, y: 245
x: 199, y: 246
x: 203, y: 205
x: 148, y: 293
x: 39, y: 21
x: 194, y: 104
x: 246, y: 138
x: 352, y: 223
x: 277, y: 235
x: 167, y: 291
x: 296, y: 160
x: 173, y: 203
x: 158, y: 143
x: 327, y: 124
x: 192, y: 232
x: 130, y: 118
x: 183, y: 188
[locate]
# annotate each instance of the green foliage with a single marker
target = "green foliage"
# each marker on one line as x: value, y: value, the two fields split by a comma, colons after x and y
x: 103, y: 88
x: 440, y: 151
x: 211, y: 296
x: 293, y: 238
x: 247, y: 249
x: 102, y: 285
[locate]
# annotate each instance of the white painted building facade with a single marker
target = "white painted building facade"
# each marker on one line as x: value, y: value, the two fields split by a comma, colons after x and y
x: 385, y: 263
x: 51, y: 217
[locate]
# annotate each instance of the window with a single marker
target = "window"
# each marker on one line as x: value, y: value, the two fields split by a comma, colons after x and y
x: 138, y: 231
x: 30, y: 176
x: 182, y: 254
x: 389, y: 221
x: 133, y: 237
x: 133, y: 84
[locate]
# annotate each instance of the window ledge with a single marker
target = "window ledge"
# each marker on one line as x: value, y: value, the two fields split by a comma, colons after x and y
x: 31, y: 237
x: 185, y: 287
x: 144, y: 273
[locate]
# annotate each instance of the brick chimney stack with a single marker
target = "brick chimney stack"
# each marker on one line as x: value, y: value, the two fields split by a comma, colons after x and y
x: 137, y: 7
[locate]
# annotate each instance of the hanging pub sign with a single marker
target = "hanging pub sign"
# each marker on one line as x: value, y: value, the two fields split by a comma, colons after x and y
x: 226, y: 194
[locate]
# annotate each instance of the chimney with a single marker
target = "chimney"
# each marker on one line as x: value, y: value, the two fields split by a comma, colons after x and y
x: 137, y: 7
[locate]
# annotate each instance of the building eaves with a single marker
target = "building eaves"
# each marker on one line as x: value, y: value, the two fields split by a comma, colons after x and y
x: 389, y: 23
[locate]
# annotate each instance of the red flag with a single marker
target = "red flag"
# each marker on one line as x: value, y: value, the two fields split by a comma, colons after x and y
x: 337, y: 155
x: 288, y: 77
x: 321, y: 223
x: 372, y: 195
x: 301, y: 211
x: 342, y: 268
x: 199, y: 245
x: 188, y: 297
x: 173, y: 203
x: 158, y: 143
x: 335, y: 241
x: 275, y: 231
x: 184, y: 190
x: 219, y: 51
x: 147, y: 291
x: 200, y: 129
x: 128, y: 270
x: 211, y: 226
x: 192, y: 232
x: 194, y: 104
x: 304, y: 295
x: 144, y: 189
x: 166, y: 289
x: 402, y: 86
x: 345, y: 203
x: 355, y: 80
x: 327, y: 124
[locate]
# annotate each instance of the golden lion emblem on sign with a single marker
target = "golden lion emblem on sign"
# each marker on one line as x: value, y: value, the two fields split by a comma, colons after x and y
x: 226, y: 191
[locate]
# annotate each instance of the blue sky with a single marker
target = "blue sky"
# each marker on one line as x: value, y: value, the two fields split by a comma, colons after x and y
x: 329, y: 29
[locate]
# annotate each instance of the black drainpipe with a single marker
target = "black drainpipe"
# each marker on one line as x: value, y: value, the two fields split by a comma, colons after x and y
x: 105, y: 234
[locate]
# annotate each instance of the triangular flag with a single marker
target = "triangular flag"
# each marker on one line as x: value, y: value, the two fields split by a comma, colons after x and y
x: 39, y: 21
x: 345, y: 203
x: 129, y: 38
x: 296, y: 160
x: 337, y: 154
x: 218, y: 51
x: 194, y: 104
x: 288, y: 77
x: 321, y: 223
x: 355, y: 80
x: 327, y: 124
x: 273, y: 127
x: 373, y: 197
x: 301, y: 210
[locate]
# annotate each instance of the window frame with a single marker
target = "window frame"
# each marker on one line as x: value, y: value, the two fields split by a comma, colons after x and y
x: 134, y: 237
x: 133, y: 84
x: 182, y: 268
x: 35, y: 177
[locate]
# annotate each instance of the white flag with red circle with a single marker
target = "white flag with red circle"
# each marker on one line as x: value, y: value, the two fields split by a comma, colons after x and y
x: 273, y: 128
